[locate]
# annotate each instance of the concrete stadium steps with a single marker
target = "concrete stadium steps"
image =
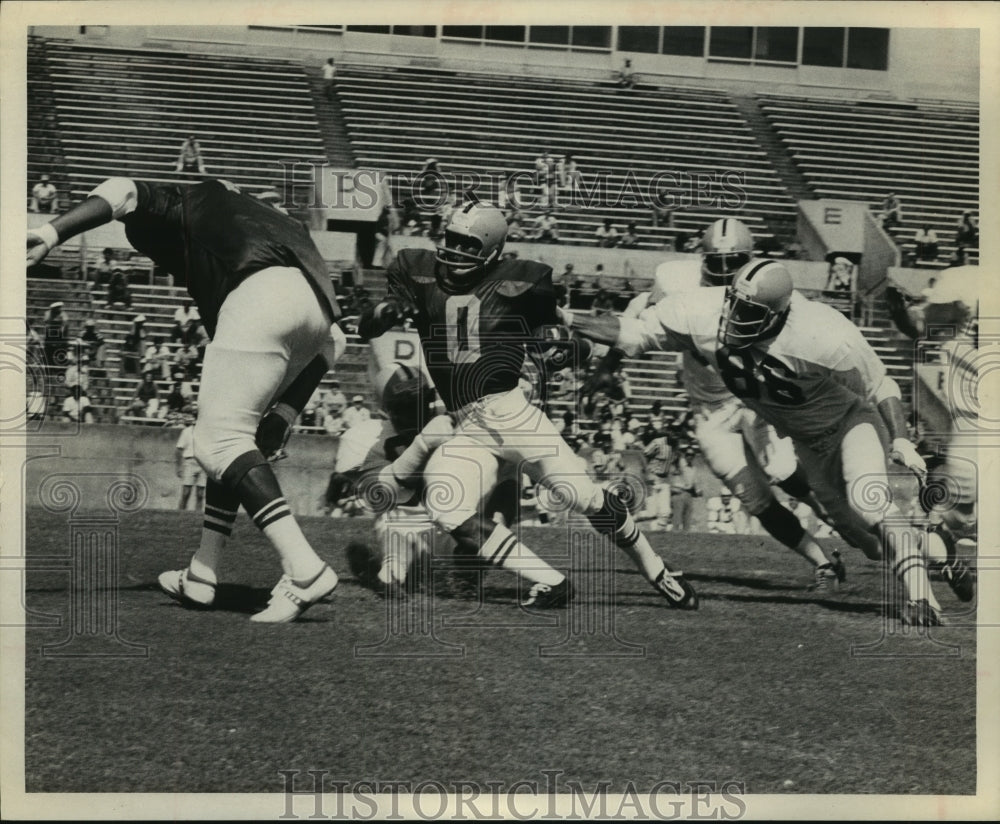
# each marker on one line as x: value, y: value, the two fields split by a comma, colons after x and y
x: 125, y: 111
x: 46, y: 154
x: 487, y: 124
x: 861, y: 150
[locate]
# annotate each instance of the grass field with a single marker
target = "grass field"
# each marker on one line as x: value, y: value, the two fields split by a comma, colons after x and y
x: 759, y: 686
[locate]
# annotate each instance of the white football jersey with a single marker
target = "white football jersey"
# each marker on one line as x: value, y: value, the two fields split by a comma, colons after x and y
x: 702, y: 383
x: 804, y: 382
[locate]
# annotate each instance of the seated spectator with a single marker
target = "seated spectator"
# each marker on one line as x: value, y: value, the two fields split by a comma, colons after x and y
x: 44, y: 197
x: 841, y: 276
x: 626, y: 75
x: 545, y: 228
x: 77, y: 373
x: 189, y: 161
x: 158, y: 358
x: 357, y: 412
x: 892, y: 211
x: 145, y: 402
x: 515, y: 230
x: 681, y: 240
x: 630, y: 240
x: 927, y: 243
x: 967, y: 233
x: 606, y: 235
x: 187, y: 359
x: 333, y: 400
x: 185, y: 315
x: 77, y: 407
x: 663, y: 209
x: 604, y: 303
x: 104, y: 267
x: 55, y: 334
x: 118, y: 291
x: 692, y: 245
x: 135, y: 345
x: 180, y: 398
x: 412, y: 222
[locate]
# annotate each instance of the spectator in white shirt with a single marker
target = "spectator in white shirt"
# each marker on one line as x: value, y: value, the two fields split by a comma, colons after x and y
x: 188, y: 469
x: 357, y: 412
x: 927, y: 243
x: 44, y: 196
x: 77, y: 407
x: 329, y: 73
x: 607, y: 235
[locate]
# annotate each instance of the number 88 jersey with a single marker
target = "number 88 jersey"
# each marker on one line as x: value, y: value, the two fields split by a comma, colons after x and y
x: 806, y: 381
x: 474, y: 341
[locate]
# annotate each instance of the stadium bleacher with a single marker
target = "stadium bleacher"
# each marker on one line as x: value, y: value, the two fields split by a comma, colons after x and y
x: 478, y: 123
x: 123, y: 111
x: 103, y: 110
x: 927, y: 153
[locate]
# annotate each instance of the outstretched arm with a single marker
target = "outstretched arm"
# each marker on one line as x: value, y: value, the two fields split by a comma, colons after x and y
x: 111, y: 200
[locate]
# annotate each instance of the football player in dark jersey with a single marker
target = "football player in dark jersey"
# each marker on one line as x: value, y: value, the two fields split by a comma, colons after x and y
x: 265, y: 298
x: 477, y: 316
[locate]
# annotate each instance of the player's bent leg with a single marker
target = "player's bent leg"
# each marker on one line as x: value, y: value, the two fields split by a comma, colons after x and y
x: 458, y: 478
x: 862, y: 456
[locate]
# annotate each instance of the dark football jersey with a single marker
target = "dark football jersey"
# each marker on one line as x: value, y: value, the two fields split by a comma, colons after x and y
x: 474, y: 342
x: 211, y: 238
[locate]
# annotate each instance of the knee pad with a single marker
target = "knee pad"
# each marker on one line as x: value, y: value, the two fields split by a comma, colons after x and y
x: 781, y: 524
x: 217, y: 446
x: 752, y: 490
x: 457, y: 478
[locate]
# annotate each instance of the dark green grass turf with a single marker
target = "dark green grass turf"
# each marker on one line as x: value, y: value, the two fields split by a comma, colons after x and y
x: 759, y: 686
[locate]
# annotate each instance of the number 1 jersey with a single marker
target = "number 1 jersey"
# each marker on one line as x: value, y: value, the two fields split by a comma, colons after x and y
x: 474, y: 341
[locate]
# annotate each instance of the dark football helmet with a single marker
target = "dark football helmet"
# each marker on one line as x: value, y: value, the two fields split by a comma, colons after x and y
x: 407, y: 396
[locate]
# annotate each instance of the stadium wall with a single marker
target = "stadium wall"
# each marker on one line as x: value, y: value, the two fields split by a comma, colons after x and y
x: 92, y: 454
x: 933, y: 63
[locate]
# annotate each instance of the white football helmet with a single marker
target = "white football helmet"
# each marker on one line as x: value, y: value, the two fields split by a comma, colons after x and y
x: 726, y: 246
x: 756, y: 304
x: 473, y: 241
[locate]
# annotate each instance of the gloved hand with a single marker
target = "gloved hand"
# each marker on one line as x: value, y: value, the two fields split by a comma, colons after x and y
x: 905, y: 454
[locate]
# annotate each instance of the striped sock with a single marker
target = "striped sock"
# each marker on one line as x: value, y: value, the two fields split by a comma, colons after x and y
x: 502, y: 549
x: 220, y: 515
x: 298, y: 559
x: 909, y: 567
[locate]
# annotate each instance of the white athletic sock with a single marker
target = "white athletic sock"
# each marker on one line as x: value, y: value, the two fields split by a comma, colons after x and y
x: 646, y: 560
x: 298, y: 559
x: 502, y: 549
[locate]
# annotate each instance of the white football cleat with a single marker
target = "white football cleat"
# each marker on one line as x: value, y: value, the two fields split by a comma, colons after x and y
x: 182, y: 585
x: 289, y: 601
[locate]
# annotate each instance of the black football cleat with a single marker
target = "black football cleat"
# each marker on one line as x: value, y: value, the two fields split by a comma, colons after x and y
x: 960, y: 578
x: 675, y: 588
x: 955, y: 571
x: 839, y: 568
x: 363, y: 564
x: 545, y: 596
x: 921, y: 614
